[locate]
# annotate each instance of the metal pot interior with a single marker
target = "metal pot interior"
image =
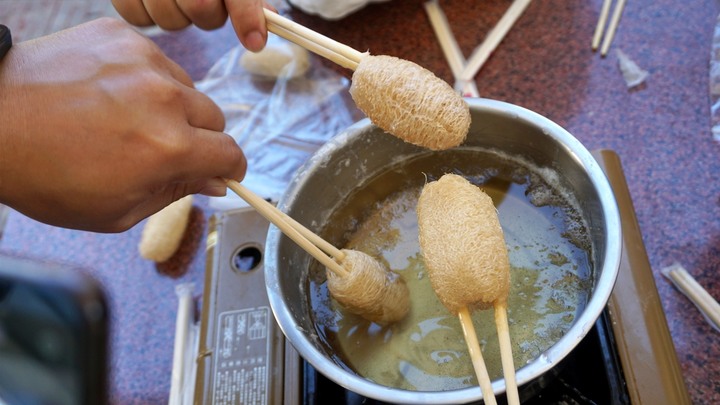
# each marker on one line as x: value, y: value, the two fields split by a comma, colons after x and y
x: 342, y: 176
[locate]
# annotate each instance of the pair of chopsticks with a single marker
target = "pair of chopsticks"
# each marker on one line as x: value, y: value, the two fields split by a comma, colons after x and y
x: 313, y: 41
x: 611, y: 28
x: 317, y: 247
x: 464, y: 71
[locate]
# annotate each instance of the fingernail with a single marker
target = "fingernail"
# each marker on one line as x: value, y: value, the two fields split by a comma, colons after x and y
x: 254, y: 41
x: 214, y: 188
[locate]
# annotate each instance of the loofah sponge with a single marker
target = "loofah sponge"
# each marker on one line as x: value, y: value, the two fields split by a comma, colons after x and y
x: 370, y: 290
x: 410, y: 102
x: 164, y: 230
x: 462, y: 244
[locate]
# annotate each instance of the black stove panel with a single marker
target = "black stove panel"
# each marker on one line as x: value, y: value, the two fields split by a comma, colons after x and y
x: 590, y: 374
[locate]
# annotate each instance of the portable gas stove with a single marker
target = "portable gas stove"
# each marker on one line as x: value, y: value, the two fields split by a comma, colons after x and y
x: 627, y: 358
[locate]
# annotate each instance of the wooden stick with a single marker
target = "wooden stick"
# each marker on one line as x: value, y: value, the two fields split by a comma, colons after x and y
x: 707, y: 305
x: 450, y: 48
x: 610, y: 33
x: 274, y: 215
x: 496, y: 35
x: 313, y: 47
x: 476, y: 356
x: 183, y: 323
x: 276, y: 20
x: 600, y: 27
x: 314, y: 238
x: 501, y: 323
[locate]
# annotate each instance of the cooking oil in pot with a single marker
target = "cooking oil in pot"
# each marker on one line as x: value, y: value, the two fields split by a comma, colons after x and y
x: 550, y: 273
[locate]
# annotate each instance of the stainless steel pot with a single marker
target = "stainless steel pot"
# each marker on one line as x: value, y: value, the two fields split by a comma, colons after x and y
x: 361, y: 152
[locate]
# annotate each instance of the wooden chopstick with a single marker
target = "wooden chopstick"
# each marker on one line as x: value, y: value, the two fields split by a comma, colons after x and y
x: 707, y: 305
x: 506, y: 355
x: 310, y: 235
x: 602, y: 20
x: 313, y: 41
x: 476, y: 357
x: 447, y: 42
x: 293, y: 229
x: 612, y: 27
x: 450, y: 48
x: 614, y: 20
x: 313, y: 47
x: 495, y: 36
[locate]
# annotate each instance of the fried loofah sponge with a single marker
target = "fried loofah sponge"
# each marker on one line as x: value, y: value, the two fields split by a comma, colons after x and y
x: 462, y: 244
x: 369, y: 290
x: 410, y: 102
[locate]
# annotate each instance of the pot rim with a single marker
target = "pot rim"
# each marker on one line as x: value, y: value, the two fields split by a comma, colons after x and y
x: 602, y: 287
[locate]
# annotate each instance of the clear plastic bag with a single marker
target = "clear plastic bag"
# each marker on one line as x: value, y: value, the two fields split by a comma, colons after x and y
x: 332, y: 9
x: 632, y: 73
x: 279, y: 122
x: 715, y: 82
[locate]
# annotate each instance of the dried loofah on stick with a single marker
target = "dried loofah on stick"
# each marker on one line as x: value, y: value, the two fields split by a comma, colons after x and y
x: 356, y: 280
x: 464, y: 250
x: 410, y: 102
x: 462, y: 244
x: 164, y: 230
x: 369, y: 290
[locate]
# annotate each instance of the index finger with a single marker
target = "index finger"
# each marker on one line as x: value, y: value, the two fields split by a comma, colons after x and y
x: 215, y: 154
x: 248, y: 20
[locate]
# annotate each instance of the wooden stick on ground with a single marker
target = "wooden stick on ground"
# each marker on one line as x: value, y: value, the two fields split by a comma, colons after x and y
x: 612, y: 27
x: 450, y: 48
x: 600, y: 27
x: 493, y: 39
x: 707, y: 305
x: 476, y: 357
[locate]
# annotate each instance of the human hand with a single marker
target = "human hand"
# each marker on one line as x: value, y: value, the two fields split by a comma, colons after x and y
x: 246, y: 16
x: 99, y: 129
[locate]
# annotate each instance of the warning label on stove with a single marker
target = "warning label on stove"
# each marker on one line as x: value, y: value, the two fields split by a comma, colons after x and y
x: 242, y: 357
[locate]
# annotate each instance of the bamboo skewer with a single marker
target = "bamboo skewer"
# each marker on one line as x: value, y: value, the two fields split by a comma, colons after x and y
x: 611, y: 28
x: 614, y: 20
x: 476, y: 356
x: 602, y: 20
x: 321, y: 243
x: 313, y: 47
x: 496, y: 35
x: 313, y: 41
x: 305, y: 238
x: 183, y: 322
x: 706, y: 304
x: 450, y: 48
x: 506, y: 356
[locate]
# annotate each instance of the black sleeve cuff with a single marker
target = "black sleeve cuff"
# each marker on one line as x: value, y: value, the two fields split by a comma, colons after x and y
x: 5, y: 40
